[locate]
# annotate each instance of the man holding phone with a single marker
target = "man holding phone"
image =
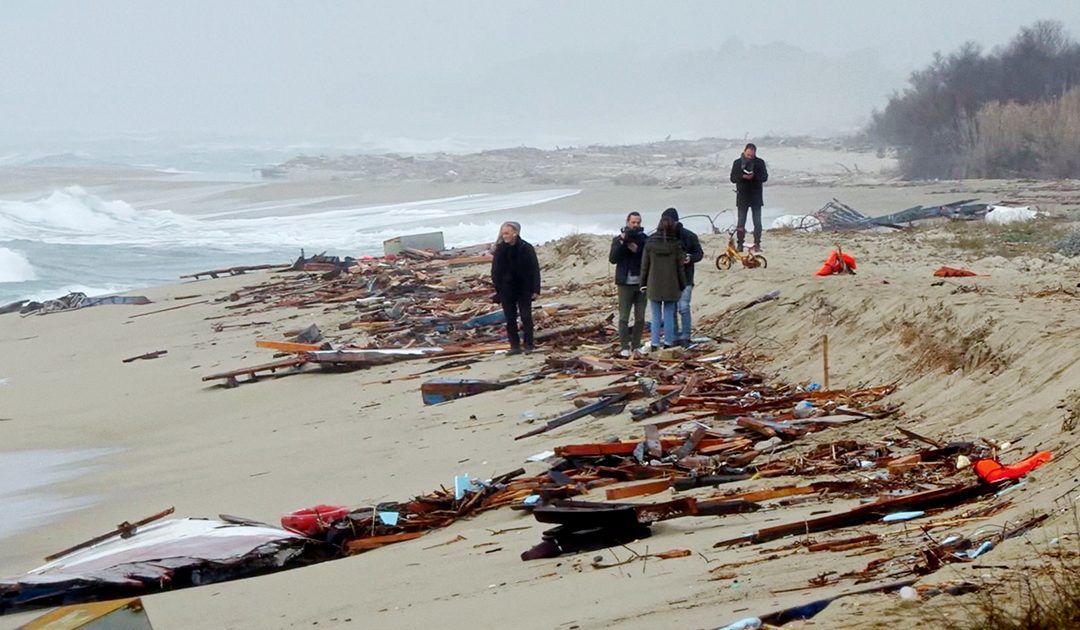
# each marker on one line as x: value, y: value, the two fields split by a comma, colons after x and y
x: 749, y: 173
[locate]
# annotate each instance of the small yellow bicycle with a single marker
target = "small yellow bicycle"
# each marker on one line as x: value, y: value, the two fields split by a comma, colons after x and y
x: 750, y: 260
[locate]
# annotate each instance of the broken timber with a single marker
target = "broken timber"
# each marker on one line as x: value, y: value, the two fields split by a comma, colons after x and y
x: 941, y: 497
x: 149, y: 355
x: 124, y: 530
x: 233, y: 271
x: 570, y: 416
x: 230, y: 377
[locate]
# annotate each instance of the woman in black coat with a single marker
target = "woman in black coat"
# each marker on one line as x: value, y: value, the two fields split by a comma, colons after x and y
x: 515, y: 272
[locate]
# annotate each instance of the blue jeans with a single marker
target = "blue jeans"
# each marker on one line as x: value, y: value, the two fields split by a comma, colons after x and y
x: 685, y: 321
x: 662, y: 311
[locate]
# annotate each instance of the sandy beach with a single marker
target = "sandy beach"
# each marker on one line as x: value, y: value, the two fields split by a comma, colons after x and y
x: 143, y: 436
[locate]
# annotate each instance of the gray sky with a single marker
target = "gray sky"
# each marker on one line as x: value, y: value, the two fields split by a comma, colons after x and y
x: 504, y: 71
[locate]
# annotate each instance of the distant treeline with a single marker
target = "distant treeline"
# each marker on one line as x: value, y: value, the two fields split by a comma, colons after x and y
x: 1013, y: 112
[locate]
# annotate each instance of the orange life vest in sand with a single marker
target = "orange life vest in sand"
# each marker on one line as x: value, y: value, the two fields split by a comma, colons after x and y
x: 953, y: 272
x: 837, y: 262
x: 991, y: 471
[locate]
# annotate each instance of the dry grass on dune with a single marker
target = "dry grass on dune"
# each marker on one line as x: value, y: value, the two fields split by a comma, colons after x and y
x: 936, y: 341
x: 576, y: 245
x: 1018, y: 239
x: 1044, y: 595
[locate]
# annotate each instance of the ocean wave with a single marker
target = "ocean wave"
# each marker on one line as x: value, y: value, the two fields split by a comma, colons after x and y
x: 15, y: 267
x: 74, y: 216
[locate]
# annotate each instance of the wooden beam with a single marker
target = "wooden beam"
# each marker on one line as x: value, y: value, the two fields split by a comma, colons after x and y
x: 286, y: 346
x: 644, y: 488
x: 374, y: 542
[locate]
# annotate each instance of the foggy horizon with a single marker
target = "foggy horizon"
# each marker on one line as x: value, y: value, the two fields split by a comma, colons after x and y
x: 479, y: 74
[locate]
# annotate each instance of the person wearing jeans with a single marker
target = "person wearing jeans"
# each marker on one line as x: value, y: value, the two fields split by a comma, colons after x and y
x: 627, y: 250
x: 662, y: 312
x: 663, y: 277
x: 692, y: 253
x: 749, y: 175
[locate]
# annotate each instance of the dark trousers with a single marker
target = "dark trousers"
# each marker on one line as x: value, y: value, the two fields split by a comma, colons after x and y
x: 740, y: 233
x: 631, y: 298
x: 512, y: 308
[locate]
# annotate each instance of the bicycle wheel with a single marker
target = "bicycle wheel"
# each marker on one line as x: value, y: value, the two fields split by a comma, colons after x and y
x: 759, y: 261
x: 723, y: 262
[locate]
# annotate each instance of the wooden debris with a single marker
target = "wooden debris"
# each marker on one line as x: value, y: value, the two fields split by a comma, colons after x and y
x: 124, y: 530
x: 149, y: 355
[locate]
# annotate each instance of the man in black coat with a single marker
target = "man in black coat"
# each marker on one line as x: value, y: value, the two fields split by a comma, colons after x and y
x: 692, y: 246
x: 515, y: 272
x: 626, y: 251
x: 749, y: 173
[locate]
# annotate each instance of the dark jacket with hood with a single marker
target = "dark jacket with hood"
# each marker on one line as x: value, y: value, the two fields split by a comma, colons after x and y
x: 515, y: 271
x: 662, y: 271
x: 627, y: 263
x: 691, y: 244
x: 749, y: 192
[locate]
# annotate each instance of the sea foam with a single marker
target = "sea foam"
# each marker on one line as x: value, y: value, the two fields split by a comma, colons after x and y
x: 14, y: 267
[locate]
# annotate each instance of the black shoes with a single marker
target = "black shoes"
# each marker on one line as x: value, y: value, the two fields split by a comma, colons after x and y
x: 513, y: 352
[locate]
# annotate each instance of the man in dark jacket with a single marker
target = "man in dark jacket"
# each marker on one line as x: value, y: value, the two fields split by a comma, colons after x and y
x: 515, y: 272
x: 693, y: 253
x: 748, y: 173
x: 626, y: 251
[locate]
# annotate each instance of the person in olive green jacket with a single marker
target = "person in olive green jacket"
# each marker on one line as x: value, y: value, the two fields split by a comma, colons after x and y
x: 663, y: 278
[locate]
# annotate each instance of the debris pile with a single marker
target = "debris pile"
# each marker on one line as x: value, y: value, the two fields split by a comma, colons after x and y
x: 401, y: 308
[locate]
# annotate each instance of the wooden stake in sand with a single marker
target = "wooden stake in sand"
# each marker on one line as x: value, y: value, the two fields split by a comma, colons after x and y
x: 825, y: 358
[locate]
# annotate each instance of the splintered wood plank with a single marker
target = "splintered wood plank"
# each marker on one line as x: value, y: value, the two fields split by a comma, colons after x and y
x: 366, y: 544
x: 286, y: 346
x: 644, y: 488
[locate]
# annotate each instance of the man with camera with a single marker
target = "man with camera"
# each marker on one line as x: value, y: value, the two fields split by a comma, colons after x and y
x: 626, y: 252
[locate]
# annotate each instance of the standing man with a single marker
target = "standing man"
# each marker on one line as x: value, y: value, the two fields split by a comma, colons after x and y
x: 692, y: 253
x: 748, y: 173
x: 627, y: 250
x: 515, y: 272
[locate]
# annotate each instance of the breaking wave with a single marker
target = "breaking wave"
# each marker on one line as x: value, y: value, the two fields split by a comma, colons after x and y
x: 14, y: 267
x: 78, y: 241
x: 73, y: 216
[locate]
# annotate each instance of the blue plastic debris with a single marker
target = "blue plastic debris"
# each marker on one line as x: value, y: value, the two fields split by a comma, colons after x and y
x: 491, y: 319
x: 980, y: 550
x: 462, y: 484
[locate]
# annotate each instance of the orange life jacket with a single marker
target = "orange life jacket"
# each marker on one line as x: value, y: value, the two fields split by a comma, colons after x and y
x: 837, y: 262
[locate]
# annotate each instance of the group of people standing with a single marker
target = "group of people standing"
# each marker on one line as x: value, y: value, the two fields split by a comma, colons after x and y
x: 657, y: 268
